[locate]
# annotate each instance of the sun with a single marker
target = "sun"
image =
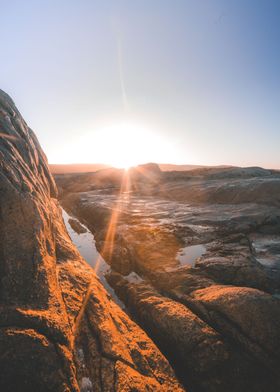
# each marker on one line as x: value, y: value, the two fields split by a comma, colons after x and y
x: 122, y: 145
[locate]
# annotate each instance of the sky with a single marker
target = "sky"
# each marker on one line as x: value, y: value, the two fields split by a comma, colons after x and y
x: 126, y: 82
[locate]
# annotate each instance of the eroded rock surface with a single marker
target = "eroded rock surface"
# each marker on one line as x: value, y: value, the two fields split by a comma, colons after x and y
x: 215, y: 316
x: 59, y: 329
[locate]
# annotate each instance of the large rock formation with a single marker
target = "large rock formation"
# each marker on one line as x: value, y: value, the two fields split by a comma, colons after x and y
x: 216, y: 316
x: 59, y: 329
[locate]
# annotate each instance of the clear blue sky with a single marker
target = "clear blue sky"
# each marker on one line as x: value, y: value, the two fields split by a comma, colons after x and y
x: 204, y: 76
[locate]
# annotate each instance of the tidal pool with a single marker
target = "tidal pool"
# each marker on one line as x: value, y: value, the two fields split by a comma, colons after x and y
x: 189, y: 254
x: 85, y: 243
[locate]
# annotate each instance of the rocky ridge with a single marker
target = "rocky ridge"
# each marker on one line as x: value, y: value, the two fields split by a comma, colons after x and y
x: 59, y: 329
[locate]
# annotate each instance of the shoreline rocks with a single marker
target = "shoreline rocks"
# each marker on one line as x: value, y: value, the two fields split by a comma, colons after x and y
x: 214, y: 321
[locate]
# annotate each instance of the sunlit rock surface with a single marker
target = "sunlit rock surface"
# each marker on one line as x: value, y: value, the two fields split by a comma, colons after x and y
x: 59, y: 329
x: 216, y: 315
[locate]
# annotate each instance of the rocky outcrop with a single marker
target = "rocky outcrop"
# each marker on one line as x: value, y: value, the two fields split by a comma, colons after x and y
x: 219, y: 338
x: 59, y: 329
x: 216, y: 318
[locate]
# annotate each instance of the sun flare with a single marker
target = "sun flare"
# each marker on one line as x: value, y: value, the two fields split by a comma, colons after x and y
x: 122, y: 145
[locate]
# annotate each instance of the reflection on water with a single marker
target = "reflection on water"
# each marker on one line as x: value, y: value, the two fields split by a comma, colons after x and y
x: 85, y: 243
x: 189, y: 254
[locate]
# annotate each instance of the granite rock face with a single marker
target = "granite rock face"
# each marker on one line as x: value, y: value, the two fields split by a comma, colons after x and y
x: 59, y: 329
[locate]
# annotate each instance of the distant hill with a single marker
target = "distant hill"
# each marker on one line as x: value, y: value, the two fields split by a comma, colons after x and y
x: 93, y: 167
x: 76, y: 168
x: 172, y: 167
